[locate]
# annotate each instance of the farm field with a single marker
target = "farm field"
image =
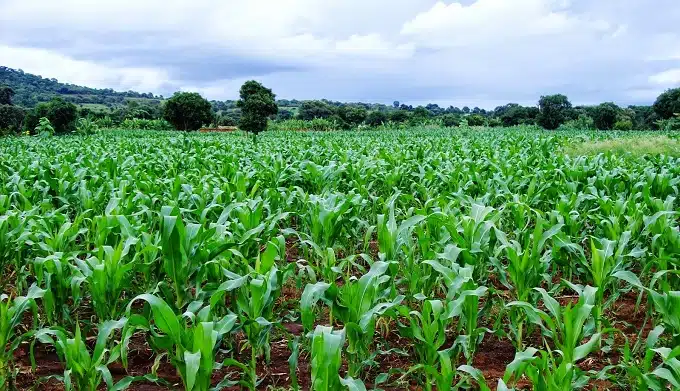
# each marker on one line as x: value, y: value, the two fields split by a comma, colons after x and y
x: 426, y: 258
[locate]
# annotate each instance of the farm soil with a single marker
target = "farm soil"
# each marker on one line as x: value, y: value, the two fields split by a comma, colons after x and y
x: 492, y: 357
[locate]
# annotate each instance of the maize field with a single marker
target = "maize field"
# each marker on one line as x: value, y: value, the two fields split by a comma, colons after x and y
x: 418, y: 259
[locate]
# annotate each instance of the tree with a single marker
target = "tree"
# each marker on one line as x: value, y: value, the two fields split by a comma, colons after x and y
x: 352, y: 116
x: 61, y: 114
x: 450, y: 120
x: 395, y: 104
x: 312, y: 109
x: 284, y: 115
x: 257, y: 104
x: 605, y: 115
x: 554, y: 111
x: 668, y: 104
x: 421, y: 114
x: 466, y: 110
x: 399, y: 116
x: 376, y: 118
x: 11, y: 118
x: 512, y: 114
x: 6, y: 94
x: 475, y: 120
x: 187, y: 111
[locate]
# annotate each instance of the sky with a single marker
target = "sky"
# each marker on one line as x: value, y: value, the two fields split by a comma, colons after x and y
x: 464, y: 53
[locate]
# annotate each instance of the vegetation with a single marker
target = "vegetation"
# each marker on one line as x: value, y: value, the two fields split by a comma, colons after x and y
x: 187, y: 111
x: 554, y: 110
x: 60, y: 113
x: 448, y: 258
x: 257, y: 104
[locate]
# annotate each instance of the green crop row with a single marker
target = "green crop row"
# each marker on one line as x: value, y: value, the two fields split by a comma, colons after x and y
x: 423, y: 245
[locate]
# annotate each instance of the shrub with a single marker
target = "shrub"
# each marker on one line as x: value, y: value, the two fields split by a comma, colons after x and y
x: 450, y: 120
x: 187, y: 111
x: 61, y: 114
x: 623, y: 124
x: 495, y: 123
x: 376, y: 118
x: 475, y: 120
x: 312, y: 109
x: 399, y: 116
x: 11, y: 119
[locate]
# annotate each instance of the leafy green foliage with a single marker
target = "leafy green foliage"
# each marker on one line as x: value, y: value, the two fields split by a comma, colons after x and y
x: 554, y: 111
x: 187, y: 111
x: 61, y: 114
x: 257, y: 104
x: 668, y: 104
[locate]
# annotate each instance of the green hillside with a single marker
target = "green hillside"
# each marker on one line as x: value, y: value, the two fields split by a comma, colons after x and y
x: 32, y: 89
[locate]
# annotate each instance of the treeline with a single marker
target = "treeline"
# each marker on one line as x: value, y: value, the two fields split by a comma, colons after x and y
x: 149, y: 111
x: 30, y: 90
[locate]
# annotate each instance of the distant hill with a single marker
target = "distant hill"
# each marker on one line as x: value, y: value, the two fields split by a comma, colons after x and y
x: 32, y: 89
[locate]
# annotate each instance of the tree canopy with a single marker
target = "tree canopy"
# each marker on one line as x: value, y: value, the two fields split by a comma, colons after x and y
x: 257, y: 103
x: 188, y: 111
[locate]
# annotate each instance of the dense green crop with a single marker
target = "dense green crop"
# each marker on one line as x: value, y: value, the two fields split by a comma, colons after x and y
x: 399, y: 255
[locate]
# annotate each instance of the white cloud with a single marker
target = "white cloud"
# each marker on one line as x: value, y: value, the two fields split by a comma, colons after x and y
x: 670, y: 77
x: 53, y: 65
x: 492, y: 21
x: 407, y: 50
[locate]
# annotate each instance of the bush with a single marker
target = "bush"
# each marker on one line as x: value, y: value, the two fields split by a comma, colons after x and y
x: 624, y: 124
x: 376, y: 118
x: 399, y: 116
x: 583, y: 122
x: 11, y: 119
x: 450, y: 120
x: 187, y: 111
x: 475, y: 120
x: 321, y: 125
x: 226, y: 120
x: 61, y: 114
x: 495, y: 123
x: 312, y: 109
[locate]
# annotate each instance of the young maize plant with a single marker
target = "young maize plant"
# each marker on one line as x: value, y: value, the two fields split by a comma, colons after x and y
x: 107, y: 276
x: 565, y: 328
x: 61, y: 280
x: 427, y: 329
x: 256, y: 295
x: 463, y: 296
x: 605, y: 261
x: 190, y: 340
x: 356, y: 304
x: 11, y: 315
x: 325, y: 218
x: 326, y: 351
x: 86, y: 368
x: 665, y: 303
x: 527, y: 266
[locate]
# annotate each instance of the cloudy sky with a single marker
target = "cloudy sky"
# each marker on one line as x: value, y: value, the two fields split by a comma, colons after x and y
x: 467, y: 52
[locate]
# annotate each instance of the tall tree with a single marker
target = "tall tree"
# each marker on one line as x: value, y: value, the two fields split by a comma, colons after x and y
x: 668, y: 104
x: 554, y: 111
x: 187, y: 111
x: 257, y: 103
x: 604, y: 115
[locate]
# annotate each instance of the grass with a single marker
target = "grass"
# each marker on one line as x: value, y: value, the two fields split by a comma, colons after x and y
x: 638, y: 146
